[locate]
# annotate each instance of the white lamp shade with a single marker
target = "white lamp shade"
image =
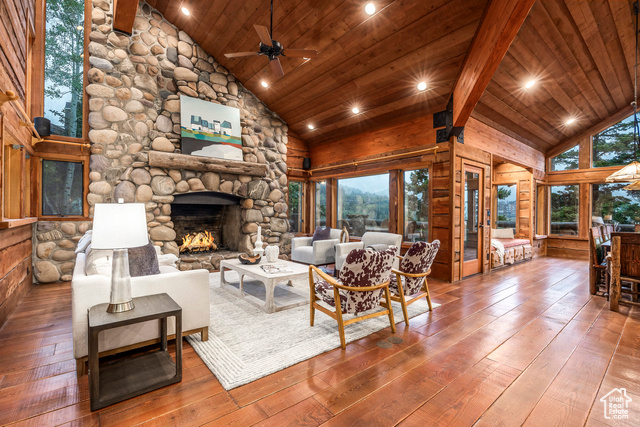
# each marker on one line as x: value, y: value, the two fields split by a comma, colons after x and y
x: 119, y: 226
x: 629, y: 173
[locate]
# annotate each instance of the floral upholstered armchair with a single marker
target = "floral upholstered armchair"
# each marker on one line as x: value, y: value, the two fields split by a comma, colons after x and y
x: 363, y: 284
x: 410, y: 279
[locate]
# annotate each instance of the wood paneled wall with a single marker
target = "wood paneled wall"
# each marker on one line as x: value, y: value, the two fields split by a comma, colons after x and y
x: 16, y: 28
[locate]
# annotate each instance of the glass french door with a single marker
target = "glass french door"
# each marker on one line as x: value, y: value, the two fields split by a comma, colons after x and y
x: 472, y: 221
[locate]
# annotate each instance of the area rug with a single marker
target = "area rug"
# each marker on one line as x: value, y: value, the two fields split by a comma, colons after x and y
x: 245, y: 343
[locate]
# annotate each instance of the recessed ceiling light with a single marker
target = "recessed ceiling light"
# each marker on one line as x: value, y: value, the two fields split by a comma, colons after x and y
x: 422, y: 86
x: 264, y: 84
x: 79, y: 27
x: 312, y: 127
x: 355, y: 110
x: 185, y: 11
x: 570, y: 121
x: 370, y: 8
x: 530, y: 84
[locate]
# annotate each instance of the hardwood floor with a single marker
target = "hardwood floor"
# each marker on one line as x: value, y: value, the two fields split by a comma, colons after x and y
x: 526, y: 345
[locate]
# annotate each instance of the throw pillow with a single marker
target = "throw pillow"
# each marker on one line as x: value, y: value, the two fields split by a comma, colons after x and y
x: 143, y: 261
x: 98, y: 261
x: 321, y: 234
x: 84, y: 242
x: 167, y: 259
x: 502, y: 233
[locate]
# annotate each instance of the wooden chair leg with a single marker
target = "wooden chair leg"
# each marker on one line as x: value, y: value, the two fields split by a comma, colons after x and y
x: 204, y: 334
x: 312, y: 313
x: 390, y: 309
x: 426, y: 289
x: 336, y: 296
x: 312, y: 297
x: 80, y: 367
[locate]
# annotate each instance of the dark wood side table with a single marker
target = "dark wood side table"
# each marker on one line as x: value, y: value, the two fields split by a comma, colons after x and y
x: 133, y: 376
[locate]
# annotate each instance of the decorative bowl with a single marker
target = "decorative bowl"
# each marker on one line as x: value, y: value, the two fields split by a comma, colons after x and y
x: 249, y: 260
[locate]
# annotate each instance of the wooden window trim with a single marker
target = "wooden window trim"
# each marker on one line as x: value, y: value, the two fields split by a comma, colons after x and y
x: 494, y: 208
x: 580, y: 207
x: 401, y: 194
x: 36, y: 200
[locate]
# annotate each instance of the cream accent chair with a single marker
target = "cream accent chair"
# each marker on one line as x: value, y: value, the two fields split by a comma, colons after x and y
x: 375, y: 239
x: 320, y: 252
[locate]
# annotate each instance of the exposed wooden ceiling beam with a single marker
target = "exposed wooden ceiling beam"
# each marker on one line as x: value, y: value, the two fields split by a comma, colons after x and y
x: 499, y: 26
x: 124, y: 13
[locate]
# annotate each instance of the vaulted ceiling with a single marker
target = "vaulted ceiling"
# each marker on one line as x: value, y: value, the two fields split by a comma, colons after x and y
x: 581, y: 54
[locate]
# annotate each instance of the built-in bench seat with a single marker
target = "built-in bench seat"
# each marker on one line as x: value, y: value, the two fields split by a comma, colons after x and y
x: 507, y: 250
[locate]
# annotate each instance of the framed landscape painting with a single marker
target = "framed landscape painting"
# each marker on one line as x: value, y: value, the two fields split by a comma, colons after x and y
x: 210, y: 130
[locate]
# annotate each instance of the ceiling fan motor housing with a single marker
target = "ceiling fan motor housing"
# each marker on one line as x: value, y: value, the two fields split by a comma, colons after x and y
x: 271, y: 51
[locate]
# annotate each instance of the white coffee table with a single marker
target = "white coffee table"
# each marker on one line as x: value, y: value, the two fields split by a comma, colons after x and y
x: 270, y: 281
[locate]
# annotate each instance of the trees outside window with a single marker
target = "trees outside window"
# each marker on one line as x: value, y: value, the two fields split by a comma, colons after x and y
x: 64, y: 66
x: 321, y: 204
x: 613, y: 200
x: 295, y: 206
x: 62, y: 188
x: 505, y: 206
x: 565, y: 208
x: 416, y: 205
x: 568, y: 160
x: 614, y: 145
x: 363, y: 204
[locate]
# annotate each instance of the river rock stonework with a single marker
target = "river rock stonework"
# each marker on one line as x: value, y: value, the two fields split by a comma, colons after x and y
x: 54, y: 245
x: 134, y: 92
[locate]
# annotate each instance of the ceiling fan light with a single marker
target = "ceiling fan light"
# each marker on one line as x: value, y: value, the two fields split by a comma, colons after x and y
x: 370, y: 8
x: 629, y: 173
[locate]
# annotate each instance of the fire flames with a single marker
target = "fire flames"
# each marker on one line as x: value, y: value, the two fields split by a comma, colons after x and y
x: 198, y: 242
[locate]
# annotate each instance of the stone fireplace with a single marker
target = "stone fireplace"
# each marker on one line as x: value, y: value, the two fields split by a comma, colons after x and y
x: 134, y: 89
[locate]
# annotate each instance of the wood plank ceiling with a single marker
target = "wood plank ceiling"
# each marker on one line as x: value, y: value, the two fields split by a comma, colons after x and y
x: 581, y: 54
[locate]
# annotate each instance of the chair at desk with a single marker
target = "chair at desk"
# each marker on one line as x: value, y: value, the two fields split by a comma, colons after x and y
x: 597, y: 262
x: 624, y: 262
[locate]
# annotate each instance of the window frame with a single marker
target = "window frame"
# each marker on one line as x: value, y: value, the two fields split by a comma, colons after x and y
x: 591, y: 146
x: 336, y: 189
x: 36, y: 202
x: 578, y: 235
x: 494, y: 207
x: 550, y: 163
x: 303, y: 189
x: 313, y: 199
x: 401, y: 201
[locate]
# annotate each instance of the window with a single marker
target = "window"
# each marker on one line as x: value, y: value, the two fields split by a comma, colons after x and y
x: 416, y: 205
x: 540, y: 210
x: 614, y: 146
x: 64, y: 66
x: 612, y: 203
x: 321, y: 204
x: 363, y: 204
x: 565, y: 208
x: 505, y: 206
x: 62, y: 188
x: 567, y: 160
x: 295, y: 206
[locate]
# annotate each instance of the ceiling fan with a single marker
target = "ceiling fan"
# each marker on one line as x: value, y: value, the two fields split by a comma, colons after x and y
x: 273, y: 49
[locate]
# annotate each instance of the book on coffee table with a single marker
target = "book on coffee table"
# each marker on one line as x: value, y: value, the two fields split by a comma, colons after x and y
x: 275, y: 268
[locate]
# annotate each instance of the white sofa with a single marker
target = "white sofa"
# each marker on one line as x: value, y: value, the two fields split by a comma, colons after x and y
x: 190, y: 289
x: 377, y: 240
x: 319, y: 252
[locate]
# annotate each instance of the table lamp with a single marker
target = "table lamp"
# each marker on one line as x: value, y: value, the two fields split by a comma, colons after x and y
x: 119, y: 226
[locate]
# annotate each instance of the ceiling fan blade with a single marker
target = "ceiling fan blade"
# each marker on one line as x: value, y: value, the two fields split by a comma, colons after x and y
x: 301, y: 53
x: 263, y: 33
x: 241, y: 54
x: 276, y: 67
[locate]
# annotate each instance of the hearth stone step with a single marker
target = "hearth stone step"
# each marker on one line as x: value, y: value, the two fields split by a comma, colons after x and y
x: 209, y: 261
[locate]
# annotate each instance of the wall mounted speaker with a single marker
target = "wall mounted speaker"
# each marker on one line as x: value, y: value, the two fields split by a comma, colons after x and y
x: 43, y: 126
x: 306, y: 163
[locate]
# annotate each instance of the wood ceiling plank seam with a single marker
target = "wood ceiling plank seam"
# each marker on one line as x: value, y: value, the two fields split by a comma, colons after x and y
x: 15, y: 28
x: 326, y: 64
x: 597, y: 51
x: 382, y: 74
x: 544, y: 25
x: 334, y: 24
x: 500, y: 128
x: 207, y: 19
x: 533, y: 110
x: 394, y: 118
x: 12, y: 62
x: 226, y: 41
x: 221, y: 21
x: 536, y: 101
x: 384, y: 109
x: 514, y: 115
x: 524, y: 56
x: 393, y: 94
x: 356, y: 64
x: 493, y: 118
x: 622, y: 18
x: 613, y: 43
x: 172, y: 10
